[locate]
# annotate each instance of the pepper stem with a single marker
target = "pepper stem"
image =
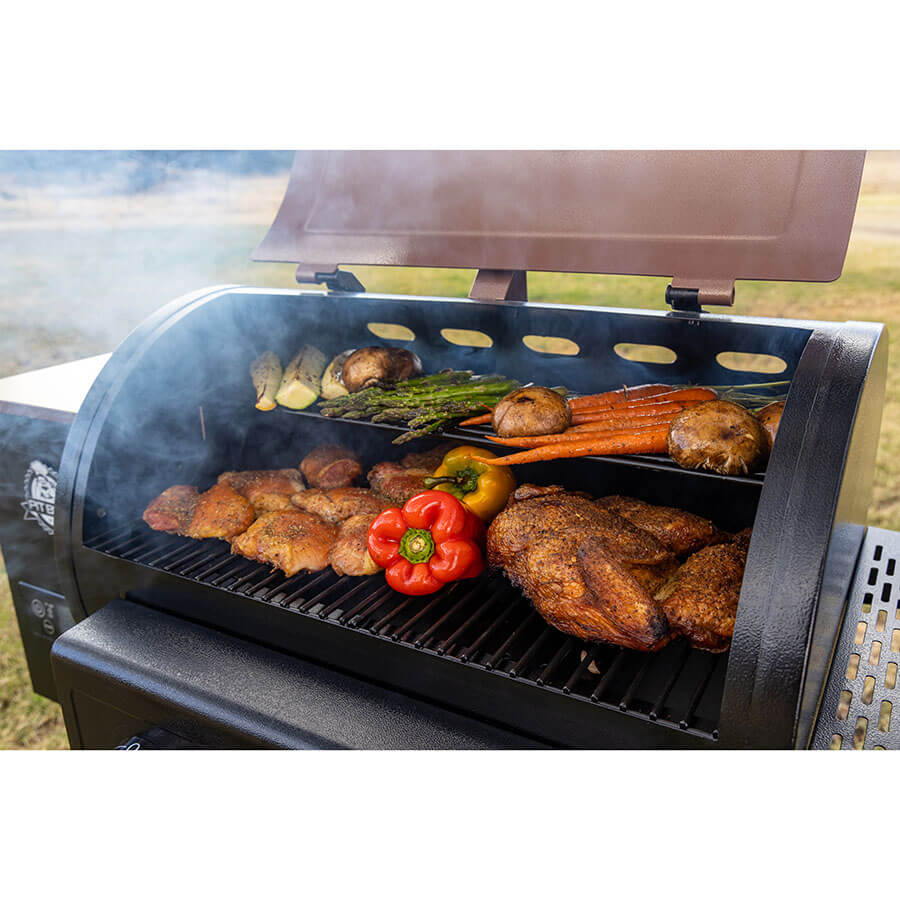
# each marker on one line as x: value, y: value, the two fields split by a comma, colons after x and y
x: 417, y: 545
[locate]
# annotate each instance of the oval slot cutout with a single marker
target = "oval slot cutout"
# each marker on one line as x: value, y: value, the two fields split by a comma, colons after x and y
x: 390, y: 331
x: 646, y: 353
x: 751, y: 362
x: 465, y: 337
x: 542, y: 343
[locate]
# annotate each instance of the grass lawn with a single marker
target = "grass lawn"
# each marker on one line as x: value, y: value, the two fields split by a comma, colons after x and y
x: 85, y: 288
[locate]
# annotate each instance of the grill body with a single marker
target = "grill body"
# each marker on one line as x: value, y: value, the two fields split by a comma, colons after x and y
x: 174, y: 405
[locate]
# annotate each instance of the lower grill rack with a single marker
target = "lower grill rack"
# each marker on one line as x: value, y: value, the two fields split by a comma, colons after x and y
x: 485, y: 623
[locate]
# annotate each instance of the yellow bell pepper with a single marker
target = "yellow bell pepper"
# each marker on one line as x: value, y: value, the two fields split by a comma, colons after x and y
x: 482, y: 488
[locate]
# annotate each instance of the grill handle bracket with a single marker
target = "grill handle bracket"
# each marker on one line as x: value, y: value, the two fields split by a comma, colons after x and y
x: 331, y: 276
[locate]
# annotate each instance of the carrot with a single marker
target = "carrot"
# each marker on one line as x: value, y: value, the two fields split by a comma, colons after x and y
x: 630, y: 412
x: 570, y: 435
x: 479, y: 420
x: 650, y: 440
x: 624, y: 393
x: 699, y: 394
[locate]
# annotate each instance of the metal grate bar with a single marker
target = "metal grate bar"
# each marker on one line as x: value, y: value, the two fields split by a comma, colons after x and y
x: 108, y: 538
x: 423, y: 639
x: 478, y: 614
x: 712, y: 661
x: 196, y: 568
x: 364, y: 583
x: 241, y: 565
x: 579, y: 673
x: 182, y: 558
x: 628, y: 696
x: 383, y: 624
x: 320, y: 597
x: 673, y: 679
x: 605, y: 679
x: 519, y: 666
x: 516, y: 633
x: 472, y: 649
x: 378, y: 598
x: 404, y: 631
x: 288, y: 599
x: 567, y: 646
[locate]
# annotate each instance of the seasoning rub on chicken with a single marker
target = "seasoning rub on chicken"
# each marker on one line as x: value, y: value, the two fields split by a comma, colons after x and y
x: 289, y: 539
x: 593, y: 573
x: 220, y: 512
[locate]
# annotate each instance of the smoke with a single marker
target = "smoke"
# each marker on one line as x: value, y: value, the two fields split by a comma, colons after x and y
x: 91, y: 242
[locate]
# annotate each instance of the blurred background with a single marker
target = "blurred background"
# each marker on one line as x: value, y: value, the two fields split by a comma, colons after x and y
x: 91, y: 242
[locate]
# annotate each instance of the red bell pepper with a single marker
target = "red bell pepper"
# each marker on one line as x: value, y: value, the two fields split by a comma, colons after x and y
x: 431, y: 541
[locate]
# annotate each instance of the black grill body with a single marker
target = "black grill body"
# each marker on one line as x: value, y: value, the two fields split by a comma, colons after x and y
x: 175, y: 405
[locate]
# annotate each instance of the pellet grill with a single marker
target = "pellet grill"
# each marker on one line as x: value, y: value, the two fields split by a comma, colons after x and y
x: 178, y: 643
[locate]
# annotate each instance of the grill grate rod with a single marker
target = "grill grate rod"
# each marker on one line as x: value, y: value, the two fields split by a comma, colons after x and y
x: 423, y: 639
x: 711, y: 663
x: 472, y: 649
x: 516, y: 633
x: 478, y: 614
x: 565, y: 649
x: 109, y: 538
x: 288, y: 599
x: 628, y: 696
x: 379, y: 597
x: 519, y: 666
x: 673, y: 678
x: 607, y: 677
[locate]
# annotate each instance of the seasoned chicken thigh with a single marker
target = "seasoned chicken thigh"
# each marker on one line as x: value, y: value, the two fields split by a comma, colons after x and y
x: 350, y: 554
x: 338, y: 504
x: 220, y: 512
x: 266, y: 489
x: 173, y: 509
x: 290, y: 540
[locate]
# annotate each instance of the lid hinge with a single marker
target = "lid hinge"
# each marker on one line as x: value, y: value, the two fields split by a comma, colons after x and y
x: 500, y: 284
x: 690, y: 294
x: 334, y: 279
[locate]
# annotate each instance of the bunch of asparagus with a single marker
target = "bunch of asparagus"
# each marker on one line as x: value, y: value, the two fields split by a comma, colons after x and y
x: 424, y: 405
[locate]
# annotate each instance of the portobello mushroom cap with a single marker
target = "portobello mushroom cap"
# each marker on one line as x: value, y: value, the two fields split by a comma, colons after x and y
x: 720, y: 436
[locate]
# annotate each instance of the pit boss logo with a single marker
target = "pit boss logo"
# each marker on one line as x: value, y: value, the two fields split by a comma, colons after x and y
x: 40, y: 494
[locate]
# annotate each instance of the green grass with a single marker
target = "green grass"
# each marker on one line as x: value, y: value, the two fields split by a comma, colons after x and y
x: 106, y: 281
x: 27, y: 721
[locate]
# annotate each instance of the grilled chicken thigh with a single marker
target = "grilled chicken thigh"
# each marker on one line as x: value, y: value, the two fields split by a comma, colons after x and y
x: 350, y: 554
x: 700, y: 600
x: 400, y: 481
x: 173, y: 509
x: 583, y: 567
x: 266, y: 489
x: 290, y: 540
x: 681, y: 532
x: 338, y: 504
x: 220, y: 512
x: 331, y: 466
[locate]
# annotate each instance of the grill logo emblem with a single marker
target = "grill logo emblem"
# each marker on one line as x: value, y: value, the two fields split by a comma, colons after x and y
x: 40, y: 494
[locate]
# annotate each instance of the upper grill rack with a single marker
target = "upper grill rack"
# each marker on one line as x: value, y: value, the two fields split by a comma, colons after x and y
x: 485, y: 623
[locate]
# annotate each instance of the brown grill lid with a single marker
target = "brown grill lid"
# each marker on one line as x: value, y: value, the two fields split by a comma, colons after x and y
x: 703, y: 217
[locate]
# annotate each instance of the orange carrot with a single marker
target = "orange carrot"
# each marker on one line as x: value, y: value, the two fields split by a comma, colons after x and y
x: 698, y: 394
x: 650, y: 440
x: 631, y: 412
x: 623, y: 393
x: 571, y: 435
x: 479, y: 420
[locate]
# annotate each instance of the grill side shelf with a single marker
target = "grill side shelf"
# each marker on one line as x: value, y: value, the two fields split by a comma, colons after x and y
x: 859, y: 709
x: 485, y: 628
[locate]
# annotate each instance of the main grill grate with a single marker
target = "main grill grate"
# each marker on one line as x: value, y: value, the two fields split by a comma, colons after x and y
x: 859, y: 707
x: 485, y: 623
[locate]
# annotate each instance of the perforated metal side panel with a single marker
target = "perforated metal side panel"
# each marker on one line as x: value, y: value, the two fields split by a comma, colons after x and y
x: 860, y: 706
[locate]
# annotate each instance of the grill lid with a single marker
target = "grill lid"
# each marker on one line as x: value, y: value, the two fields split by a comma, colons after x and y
x: 704, y: 217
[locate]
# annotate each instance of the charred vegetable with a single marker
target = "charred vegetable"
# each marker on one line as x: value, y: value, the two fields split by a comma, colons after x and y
x: 332, y: 379
x: 302, y: 379
x: 266, y: 375
x: 720, y: 436
x: 379, y: 366
x: 770, y: 417
x: 531, y: 410
x: 426, y: 405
